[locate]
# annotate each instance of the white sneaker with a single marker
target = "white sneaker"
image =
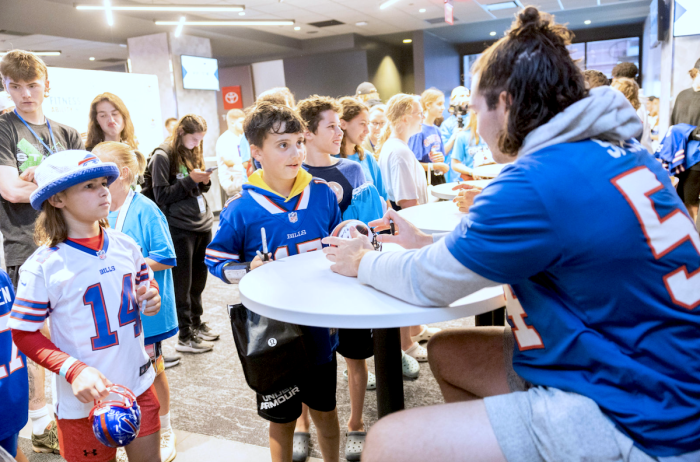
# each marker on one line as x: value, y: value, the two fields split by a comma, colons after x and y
x: 167, y: 445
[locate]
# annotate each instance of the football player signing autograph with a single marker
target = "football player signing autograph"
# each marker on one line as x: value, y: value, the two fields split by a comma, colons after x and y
x: 95, y: 284
x: 601, y: 356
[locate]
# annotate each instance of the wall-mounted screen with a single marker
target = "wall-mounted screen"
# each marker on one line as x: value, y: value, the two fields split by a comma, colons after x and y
x: 199, y: 73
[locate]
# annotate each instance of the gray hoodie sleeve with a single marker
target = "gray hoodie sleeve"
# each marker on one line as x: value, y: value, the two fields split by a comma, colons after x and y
x: 430, y: 276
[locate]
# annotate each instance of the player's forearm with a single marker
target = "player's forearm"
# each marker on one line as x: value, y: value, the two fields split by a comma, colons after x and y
x: 430, y: 276
x: 44, y: 352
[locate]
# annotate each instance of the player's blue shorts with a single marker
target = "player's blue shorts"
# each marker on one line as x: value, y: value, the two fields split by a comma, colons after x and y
x: 9, y: 444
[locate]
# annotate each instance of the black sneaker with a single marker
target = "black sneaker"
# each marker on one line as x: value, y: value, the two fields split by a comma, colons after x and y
x: 193, y: 344
x: 205, y: 332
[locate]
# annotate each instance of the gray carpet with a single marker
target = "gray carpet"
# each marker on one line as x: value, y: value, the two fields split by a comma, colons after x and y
x: 209, y: 394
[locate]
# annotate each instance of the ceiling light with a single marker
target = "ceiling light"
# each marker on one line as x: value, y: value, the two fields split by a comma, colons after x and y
x: 297, y: 28
x: 407, y: 40
x: 91, y: 58
x: 387, y: 4
x: 108, y: 13
x: 242, y: 13
x: 422, y: 10
x: 501, y: 6
x: 240, y: 22
x: 361, y: 23
x: 587, y: 21
x: 180, y: 25
x: 492, y: 33
x: 38, y: 53
x: 171, y: 8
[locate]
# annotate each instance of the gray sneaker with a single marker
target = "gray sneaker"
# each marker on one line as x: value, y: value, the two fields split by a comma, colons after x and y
x: 193, y: 344
x: 206, y: 333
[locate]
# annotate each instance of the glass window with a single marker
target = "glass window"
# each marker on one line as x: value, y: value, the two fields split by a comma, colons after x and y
x: 578, y: 53
x: 606, y: 54
x: 469, y: 60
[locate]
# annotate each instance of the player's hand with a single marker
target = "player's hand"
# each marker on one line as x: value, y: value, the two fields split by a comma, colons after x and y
x: 148, y: 299
x: 28, y: 175
x: 347, y: 253
x: 90, y: 385
x: 406, y: 235
x: 258, y: 262
x: 465, y: 197
x: 199, y: 176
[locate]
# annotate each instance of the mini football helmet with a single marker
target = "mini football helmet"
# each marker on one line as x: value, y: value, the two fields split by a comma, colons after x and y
x: 116, y: 422
x: 343, y: 231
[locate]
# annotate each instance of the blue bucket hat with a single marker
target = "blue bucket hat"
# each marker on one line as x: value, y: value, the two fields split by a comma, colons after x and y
x: 68, y: 168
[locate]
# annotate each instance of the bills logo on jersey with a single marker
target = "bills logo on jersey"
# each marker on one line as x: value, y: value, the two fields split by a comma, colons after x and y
x: 89, y: 159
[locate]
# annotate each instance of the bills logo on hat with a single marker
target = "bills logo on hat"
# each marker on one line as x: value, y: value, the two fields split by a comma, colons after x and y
x: 89, y: 160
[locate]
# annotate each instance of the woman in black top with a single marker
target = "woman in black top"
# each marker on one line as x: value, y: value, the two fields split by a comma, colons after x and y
x: 178, y: 183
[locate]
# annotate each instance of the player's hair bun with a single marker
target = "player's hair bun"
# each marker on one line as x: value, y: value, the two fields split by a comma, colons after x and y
x: 529, y: 17
x: 533, y: 24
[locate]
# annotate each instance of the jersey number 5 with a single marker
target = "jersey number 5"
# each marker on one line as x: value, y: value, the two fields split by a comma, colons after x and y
x: 128, y: 313
x: 662, y: 234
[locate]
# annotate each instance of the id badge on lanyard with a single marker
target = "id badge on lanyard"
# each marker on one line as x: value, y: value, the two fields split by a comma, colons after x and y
x: 202, y: 204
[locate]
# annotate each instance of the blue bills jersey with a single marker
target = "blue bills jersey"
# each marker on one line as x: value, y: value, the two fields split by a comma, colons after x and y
x: 676, y: 152
x: 14, y: 387
x: 292, y: 226
x: 602, y: 264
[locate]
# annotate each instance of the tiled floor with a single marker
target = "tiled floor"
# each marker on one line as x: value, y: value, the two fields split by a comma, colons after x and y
x: 213, y: 409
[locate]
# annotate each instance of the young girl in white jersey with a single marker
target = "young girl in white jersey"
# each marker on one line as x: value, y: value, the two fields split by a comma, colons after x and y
x: 94, y: 283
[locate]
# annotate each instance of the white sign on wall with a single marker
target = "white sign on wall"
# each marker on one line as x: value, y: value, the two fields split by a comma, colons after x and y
x: 72, y: 91
x: 686, y: 18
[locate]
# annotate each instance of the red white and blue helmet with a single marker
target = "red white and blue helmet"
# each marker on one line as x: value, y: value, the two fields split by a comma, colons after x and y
x: 116, y: 422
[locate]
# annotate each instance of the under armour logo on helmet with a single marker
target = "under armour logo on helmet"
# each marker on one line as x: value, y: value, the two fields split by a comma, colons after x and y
x: 92, y: 453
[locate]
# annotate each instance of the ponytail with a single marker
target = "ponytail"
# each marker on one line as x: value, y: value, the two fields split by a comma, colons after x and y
x: 398, y: 106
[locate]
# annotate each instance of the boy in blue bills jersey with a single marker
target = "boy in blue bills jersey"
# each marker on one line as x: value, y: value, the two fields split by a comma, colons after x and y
x: 14, y: 385
x: 297, y: 211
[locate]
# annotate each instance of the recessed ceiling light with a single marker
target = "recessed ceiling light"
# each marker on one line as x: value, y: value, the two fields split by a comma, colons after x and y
x: 239, y: 22
x: 407, y: 40
x: 91, y: 58
x: 242, y: 13
x: 422, y: 10
x: 170, y: 8
x: 587, y: 21
x: 297, y: 28
x: 492, y: 33
x: 501, y: 6
x: 387, y: 4
x: 361, y: 23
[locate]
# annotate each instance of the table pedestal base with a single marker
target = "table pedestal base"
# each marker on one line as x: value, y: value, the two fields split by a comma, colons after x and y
x: 387, y: 366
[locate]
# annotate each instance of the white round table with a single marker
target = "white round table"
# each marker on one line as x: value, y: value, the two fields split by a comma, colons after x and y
x: 303, y: 290
x: 435, y: 217
x: 444, y: 191
x: 487, y: 171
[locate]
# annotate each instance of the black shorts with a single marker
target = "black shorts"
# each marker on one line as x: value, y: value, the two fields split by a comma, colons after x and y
x: 316, y: 389
x: 355, y: 343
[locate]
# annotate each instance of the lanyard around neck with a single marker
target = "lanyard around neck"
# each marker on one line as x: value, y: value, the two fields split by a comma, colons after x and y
x: 124, y: 210
x: 48, y: 124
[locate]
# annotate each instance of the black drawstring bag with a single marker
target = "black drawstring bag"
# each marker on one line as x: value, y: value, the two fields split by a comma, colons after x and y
x: 273, y: 353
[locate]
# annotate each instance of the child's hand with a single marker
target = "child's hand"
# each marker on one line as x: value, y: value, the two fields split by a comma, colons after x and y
x: 90, y: 385
x: 149, y: 300
x: 436, y: 157
x: 258, y: 262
